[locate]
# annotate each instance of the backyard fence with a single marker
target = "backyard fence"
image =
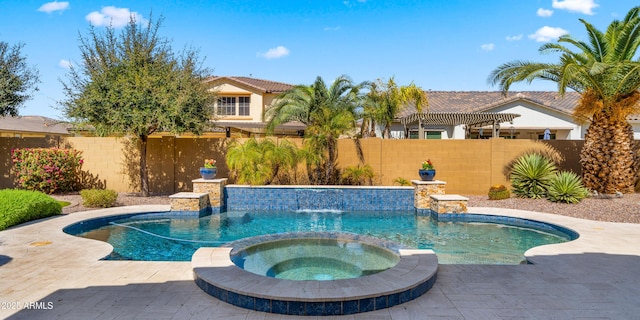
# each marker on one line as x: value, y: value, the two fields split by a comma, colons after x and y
x: 468, y: 166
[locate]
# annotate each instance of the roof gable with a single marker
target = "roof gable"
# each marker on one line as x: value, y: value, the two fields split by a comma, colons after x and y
x: 263, y: 86
x: 483, y: 101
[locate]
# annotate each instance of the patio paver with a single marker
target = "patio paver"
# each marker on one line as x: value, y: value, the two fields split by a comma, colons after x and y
x: 594, y: 276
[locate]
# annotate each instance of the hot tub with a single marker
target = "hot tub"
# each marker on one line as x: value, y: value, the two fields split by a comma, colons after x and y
x: 302, y: 273
x: 315, y: 258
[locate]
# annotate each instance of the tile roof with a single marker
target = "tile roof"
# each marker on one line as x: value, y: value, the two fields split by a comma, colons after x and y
x: 482, y: 101
x: 33, y: 124
x: 266, y: 86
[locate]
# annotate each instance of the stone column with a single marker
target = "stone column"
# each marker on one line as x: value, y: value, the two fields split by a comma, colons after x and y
x: 215, y: 189
x: 422, y: 194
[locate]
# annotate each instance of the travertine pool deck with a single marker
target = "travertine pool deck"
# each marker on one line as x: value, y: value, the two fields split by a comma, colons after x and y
x: 47, y: 274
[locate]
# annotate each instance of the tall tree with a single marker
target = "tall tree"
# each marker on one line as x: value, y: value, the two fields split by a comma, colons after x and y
x: 18, y: 81
x: 386, y: 100
x: 132, y: 83
x: 605, y: 70
x: 328, y: 112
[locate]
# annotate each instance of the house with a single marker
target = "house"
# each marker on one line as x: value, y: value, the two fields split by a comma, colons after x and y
x: 538, y: 111
x: 533, y: 115
x: 241, y: 101
x: 32, y: 126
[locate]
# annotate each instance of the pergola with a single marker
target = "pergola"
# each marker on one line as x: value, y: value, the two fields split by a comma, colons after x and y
x: 470, y: 120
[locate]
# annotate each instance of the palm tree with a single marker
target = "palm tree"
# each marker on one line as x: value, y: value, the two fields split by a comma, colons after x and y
x: 386, y: 100
x: 328, y: 112
x: 259, y: 162
x: 604, y: 72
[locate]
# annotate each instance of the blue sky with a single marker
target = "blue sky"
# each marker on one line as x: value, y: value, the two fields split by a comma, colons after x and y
x: 438, y: 45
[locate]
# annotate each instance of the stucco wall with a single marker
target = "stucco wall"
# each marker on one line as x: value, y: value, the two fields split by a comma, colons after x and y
x: 255, y: 106
x: 468, y: 166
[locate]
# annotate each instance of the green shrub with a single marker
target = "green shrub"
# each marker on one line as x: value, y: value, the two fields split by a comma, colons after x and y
x: 499, y: 192
x: 531, y: 176
x: 567, y: 187
x: 402, y: 181
x: 261, y: 162
x: 358, y: 175
x: 98, y: 198
x: 47, y: 170
x: 19, y: 206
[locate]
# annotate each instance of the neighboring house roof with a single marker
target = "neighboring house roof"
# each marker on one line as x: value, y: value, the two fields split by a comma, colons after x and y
x: 265, y: 86
x: 34, y: 124
x: 483, y: 101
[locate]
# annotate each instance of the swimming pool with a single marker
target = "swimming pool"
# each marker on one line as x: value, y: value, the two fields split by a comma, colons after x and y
x: 468, y: 239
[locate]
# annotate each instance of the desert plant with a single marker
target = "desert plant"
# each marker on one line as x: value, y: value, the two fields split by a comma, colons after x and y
x: 402, y: 181
x: 499, y: 192
x: 47, y: 170
x: 19, y: 206
x: 604, y: 71
x: 566, y: 187
x: 358, y: 175
x: 98, y: 198
x: 531, y: 176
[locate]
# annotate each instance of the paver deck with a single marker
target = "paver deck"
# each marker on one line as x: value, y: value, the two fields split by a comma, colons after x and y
x: 46, y: 274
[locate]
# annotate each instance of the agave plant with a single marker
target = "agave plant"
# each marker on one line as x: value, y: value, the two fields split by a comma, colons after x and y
x: 531, y: 176
x: 566, y: 187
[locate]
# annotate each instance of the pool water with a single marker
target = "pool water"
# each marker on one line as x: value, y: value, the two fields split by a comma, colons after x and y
x: 310, y: 258
x: 151, y: 237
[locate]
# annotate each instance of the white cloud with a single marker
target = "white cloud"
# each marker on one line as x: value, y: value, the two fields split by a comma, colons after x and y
x: 331, y: 28
x: 54, y: 6
x: 488, y: 46
x: 115, y: 17
x: 349, y: 4
x: 546, y: 34
x: 582, y: 6
x: 514, y: 38
x: 544, y: 12
x: 64, y: 64
x: 275, y: 53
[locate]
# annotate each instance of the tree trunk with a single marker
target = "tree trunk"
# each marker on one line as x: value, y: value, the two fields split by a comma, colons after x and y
x: 144, y: 174
x: 331, y: 163
x: 607, y: 158
x: 387, y: 131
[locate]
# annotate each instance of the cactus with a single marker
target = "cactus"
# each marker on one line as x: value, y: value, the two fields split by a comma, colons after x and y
x: 499, y: 192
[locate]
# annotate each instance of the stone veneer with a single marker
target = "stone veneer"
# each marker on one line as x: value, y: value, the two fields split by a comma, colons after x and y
x: 215, y: 189
x: 448, y: 203
x: 423, y: 191
x: 189, y: 201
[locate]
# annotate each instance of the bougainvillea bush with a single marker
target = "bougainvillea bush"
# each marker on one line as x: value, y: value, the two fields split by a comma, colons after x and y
x: 47, y: 170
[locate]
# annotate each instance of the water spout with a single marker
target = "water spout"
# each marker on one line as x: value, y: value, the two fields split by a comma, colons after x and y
x: 319, y: 199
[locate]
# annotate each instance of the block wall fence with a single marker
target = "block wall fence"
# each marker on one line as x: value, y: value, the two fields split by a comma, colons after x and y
x: 468, y: 166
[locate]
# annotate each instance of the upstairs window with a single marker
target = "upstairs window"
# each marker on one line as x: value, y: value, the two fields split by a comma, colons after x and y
x: 244, y: 104
x: 234, y: 106
x: 227, y: 106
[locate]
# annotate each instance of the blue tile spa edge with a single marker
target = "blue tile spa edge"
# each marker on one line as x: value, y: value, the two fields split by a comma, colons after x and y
x: 413, y: 276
